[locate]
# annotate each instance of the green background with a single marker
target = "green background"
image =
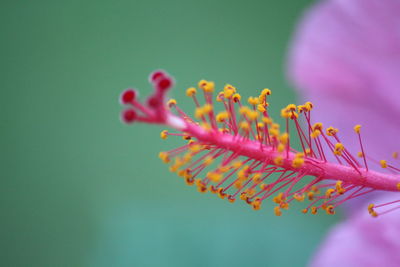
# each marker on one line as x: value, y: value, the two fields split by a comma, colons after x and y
x: 79, y: 188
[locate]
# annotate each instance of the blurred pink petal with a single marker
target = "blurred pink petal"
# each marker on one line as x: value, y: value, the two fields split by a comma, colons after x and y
x: 362, y: 241
x: 345, y: 58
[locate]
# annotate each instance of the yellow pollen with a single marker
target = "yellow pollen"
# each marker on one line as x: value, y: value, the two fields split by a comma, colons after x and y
x: 398, y: 186
x: 164, y: 134
x: 253, y: 115
x: 236, y: 97
x: 206, y: 86
x: 244, y: 110
x: 191, y: 91
x: 256, y: 204
x: 314, y: 210
x: 291, y: 107
x: 244, y: 125
x: 357, y: 128
x: 228, y: 93
x: 383, y: 163
x: 285, y: 113
x: 297, y: 162
x: 310, y: 196
x: 253, y: 100
x: 229, y: 87
x: 171, y: 102
x: 222, y: 116
x: 304, y: 211
x: 277, y: 211
x: 164, y: 157
x: 329, y: 192
x: 395, y: 155
x: 330, y: 131
x: 214, y: 176
x: 371, y: 210
x: 315, y: 134
x: 237, y: 164
x: 317, y: 126
x: 330, y: 210
x: 208, y: 160
x: 299, y: 197
x: 339, y: 148
x: 261, y: 108
x: 257, y: 178
x: 360, y: 154
x: 260, y: 125
x: 309, y: 106
x: 220, y: 192
x: 278, y: 160
x: 281, y: 148
x: 284, y: 138
x: 339, y: 188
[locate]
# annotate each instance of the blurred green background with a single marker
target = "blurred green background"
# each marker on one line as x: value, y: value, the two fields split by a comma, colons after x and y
x: 79, y: 188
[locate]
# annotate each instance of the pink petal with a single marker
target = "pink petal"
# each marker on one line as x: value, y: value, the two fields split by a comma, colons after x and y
x: 362, y: 241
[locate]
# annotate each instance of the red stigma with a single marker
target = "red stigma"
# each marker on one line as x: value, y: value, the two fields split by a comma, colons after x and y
x: 129, y: 116
x: 164, y: 83
x: 154, y: 101
x: 128, y: 96
x: 156, y: 75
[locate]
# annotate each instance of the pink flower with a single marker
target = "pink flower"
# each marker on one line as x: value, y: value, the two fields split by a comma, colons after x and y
x: 346, y: 59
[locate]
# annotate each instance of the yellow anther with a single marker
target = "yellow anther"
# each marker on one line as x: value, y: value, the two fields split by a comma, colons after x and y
x: 383, y: 163
x: 229, y: 87
x: 267, y: 120
x: 206, y: 126
x: 195, y: 147
x: 304, y: 211
x: 339, y: 148
x: 330, y: 210
x: 189, y: 180
x: 279, y: 198
x: 208, y: 160
x: 261, y: 108
x: 395, y: 155
x: 228, y: 93
x: 260, y: 125
x: 264, y: 187
x: 371, y: 210
x: 221, y: 193
x: 266, y: 91
x: 315, y: 133
x: 330, y: 131
x: 398, y: 186
x: 257, y: 178
x: 206, y: 86
x: 250, y: 192
x: 308, y: 152
x: 278, y: 160
x: 243, y: 196
x: 329, y: 192
x: 207, y: 108
x: 236, y: 97
x: 201, y: 187
x: 284, y: 138
x: 244, y: 110
x: 244, y: 125
x: 171, y: 102
x: 256, y: 204
x: 164, y: 134
x: 231, y: 200
x: 314, y: 210
x: 301, y: 108
x: 360, y: 154
x: 253, y: 100
x: 297, y: 162
x: 357, y: 128
x: 299, y: 155
x: 309, y: 106
x: 164, y: 157
x: 317, y: 126
x: 237, y: 164
x: 291, y: 107
x: 277, y: 211
x: 222, y: 116
x: 281, y: 148
x: 224, y: 169
x: 199, y: 112
x: 284, y: 205
x: 237, y: 184
x: 191, y: 91
x: 310, y: 195
x: 285, y: 113
x: 299, y: 197
x: 187, y: 157
x: 252, y: 115
x: 339, y: 189
x: 214, y: 176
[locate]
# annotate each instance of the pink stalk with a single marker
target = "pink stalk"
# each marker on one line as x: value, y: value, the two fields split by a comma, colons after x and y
x: 247, y: 142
